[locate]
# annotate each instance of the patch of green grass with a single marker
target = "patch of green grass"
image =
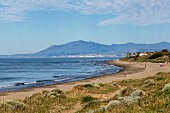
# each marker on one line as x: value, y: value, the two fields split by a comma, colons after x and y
x: 87, y: 99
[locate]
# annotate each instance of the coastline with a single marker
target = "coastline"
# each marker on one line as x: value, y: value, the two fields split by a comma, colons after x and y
x: 134, y: 71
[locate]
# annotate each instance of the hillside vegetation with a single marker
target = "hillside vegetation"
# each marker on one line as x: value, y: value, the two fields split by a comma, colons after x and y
x: 155, y: 57
x: 148, y: 95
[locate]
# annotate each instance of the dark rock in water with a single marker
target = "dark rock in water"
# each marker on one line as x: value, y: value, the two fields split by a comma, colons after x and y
x: 44, y: 80
x: 19, y: 84
x: 56, y: 76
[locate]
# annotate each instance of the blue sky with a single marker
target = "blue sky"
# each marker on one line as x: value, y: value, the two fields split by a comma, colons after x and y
x: 28, y: 26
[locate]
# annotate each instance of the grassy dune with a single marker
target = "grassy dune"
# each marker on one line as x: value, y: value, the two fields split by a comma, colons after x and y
x: 127, y: 96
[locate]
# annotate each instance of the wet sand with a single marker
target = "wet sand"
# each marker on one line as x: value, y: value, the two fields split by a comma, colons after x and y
x: 133, y: 70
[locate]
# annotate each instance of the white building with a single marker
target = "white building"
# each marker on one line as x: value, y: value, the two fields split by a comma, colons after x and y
x: 143, y: 54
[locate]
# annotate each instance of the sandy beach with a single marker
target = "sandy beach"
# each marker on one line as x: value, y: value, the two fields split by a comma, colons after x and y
x: 134, y: 70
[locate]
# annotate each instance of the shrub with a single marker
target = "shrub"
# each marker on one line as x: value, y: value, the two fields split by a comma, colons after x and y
x: 156, y: 55
x: 127, y: 91
x: 164, y: 50
x: 166, y: 88
x: 92, y: 85
x: 87, y: 99
x: 138, y: 92
x: 12, y: 105
x: 112, y: 104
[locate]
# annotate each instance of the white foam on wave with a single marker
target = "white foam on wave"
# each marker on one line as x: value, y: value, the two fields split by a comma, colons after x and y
x: 8, y: 85
x: 62, y: 79
x: 29, y: 83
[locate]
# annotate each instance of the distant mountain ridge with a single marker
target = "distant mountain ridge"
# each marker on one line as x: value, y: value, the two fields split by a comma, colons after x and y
x: 83, y: 47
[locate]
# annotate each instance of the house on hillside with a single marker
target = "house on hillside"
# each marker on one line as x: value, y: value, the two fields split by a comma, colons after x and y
x: 143, y: 54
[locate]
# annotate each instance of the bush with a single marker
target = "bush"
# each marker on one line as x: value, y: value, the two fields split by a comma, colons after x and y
x: 164, y: 50
x: 112, y: 104
x: 92, y: 85
x: 156, y: 55
x: 166, y: 88
x: 12, y: 105
x: 87, y: 99
x: 127, y: 91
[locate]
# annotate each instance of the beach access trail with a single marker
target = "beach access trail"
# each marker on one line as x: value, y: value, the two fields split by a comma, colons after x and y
x: 133, y: 70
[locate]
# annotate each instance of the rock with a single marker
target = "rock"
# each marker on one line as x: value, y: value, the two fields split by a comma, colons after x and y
x: 112, y: 104
x: 129, y: 99
x: 138, y: 92
x: 166, y: 88
x: 19, y: 84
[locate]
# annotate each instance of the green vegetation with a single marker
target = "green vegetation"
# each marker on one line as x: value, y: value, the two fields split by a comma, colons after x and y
x: 87, y: 99
x: 154, y: 99
x: 155, y: 57
x: 148, y: 95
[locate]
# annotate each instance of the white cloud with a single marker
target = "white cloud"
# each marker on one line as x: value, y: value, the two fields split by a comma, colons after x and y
x: 136, y: 12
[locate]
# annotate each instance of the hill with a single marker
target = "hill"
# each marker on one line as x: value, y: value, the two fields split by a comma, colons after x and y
x: 87, y: 48
x: 83, y: 47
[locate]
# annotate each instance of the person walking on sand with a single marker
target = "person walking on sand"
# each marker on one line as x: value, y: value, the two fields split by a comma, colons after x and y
x: 145, y: 65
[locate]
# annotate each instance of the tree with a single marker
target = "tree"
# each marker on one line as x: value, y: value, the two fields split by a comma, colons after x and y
x: 128, y: 54
x: 164, y: 50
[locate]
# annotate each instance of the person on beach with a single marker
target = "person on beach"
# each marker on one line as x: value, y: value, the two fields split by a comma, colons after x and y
x: 125, y: 74
x: 163, y: 65
x: 160, y: 64
x: 145, y: 65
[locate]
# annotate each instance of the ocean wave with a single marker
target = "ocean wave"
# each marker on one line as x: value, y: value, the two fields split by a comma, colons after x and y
x: 64, y: 79
x: 8, y: 85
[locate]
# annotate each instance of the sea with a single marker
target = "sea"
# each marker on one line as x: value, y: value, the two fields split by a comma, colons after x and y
x: 23, y: 73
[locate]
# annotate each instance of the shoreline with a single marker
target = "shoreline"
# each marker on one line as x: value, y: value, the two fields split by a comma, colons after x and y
x: 134, y: 71
x: 14, y: 88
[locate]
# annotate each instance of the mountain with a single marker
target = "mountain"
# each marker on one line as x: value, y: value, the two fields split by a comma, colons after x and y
x: 73, y: 48
x: 84, y: 48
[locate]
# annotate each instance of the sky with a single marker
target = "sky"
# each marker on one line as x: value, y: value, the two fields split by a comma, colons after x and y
x: 28, y: 26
